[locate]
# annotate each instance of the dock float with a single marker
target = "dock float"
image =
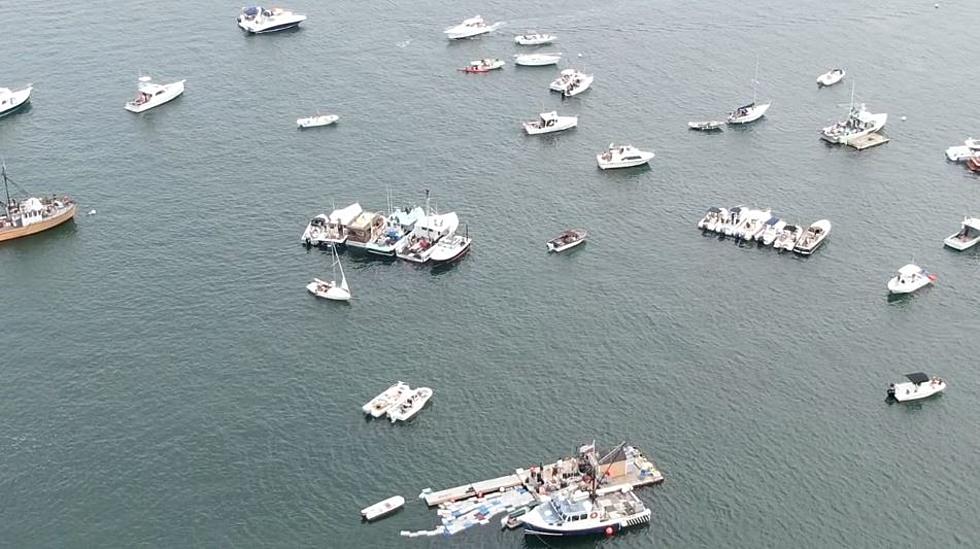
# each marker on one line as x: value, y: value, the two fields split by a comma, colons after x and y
x: 868, y: 141
x: 433, y: 499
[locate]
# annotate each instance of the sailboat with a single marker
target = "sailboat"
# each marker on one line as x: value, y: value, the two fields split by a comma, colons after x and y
x: 331, y: 290
x: 752, y: 111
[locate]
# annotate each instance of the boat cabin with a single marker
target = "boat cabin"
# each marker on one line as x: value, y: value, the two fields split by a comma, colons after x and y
x: 365, y: 227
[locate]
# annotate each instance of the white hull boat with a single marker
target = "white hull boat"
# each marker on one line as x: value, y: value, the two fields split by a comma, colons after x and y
x: 382, y: 508
x: 331, y: 289
x: 12, y: 100
x: 537, y: 59
x: 151, y: 95
x: 567, y: 240
x: 748, y: 113
x: 259, y: 20
x: 859, y: 123
x: 622, y: 156
x: 413, y: 404
x: 315, y: 231
x: 774, y: 227
x: 918, y: 386
x: 706, y: 125
x: 960, y: 153
x: 398, y: 225
x: 579, y: 514
x: 752, y: 223
x: 967, y: 237
x: 317, y: 121
x: 535, y: 39
x: 831, y: 77
x: 788, y: 237
x: 579, y: 84
x: 418, y: 247
x: 813, y: 237
x: 365, y: 229
x: 474, y: 26
x: 909, y: 279
x: 450, y: 248
x: 735, y: 217
x: 710, y: 219
x: 379, y: 405
x: 549, y: 122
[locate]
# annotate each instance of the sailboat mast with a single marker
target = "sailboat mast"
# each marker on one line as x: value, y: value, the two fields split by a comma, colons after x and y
x: 428, y: 211
x: 6, y: 191
x: 755, y: 79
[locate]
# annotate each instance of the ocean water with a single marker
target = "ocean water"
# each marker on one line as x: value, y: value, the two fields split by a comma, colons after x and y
x: 168, y: 382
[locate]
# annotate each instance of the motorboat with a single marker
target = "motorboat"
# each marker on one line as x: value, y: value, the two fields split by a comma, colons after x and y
x: 706, y: 125
x: 757, y: 226
x: 331, y: 289
x: 382, y: 508
x: 960, y: 153
x: 968, y: 235
x: 535, y: 39
x: 549, y: 122
x: 379, y: 405
x: 411, y: 405
x: 751, y: 223
x: 831, y: 77
x: 748, y: 113
x: 859, y: 123
x: 317, y: 120
x: 398, y: 224
x: 483, y: 65
x: 31, y: 215
x: 728, y: 220
x: 813, y: 237
x: 774, y: 227
x: 150, y: 94
x: 567, y: 240
x: 918, y: 386
x: 711, y: 218
x: 622, y: 156
x: 259, y: 20
x: 573, y: 512
x: 418, y: 247
x: 788, y: 237
x: 315, y: 230
x: 337, y: 230
x: 537, y: 59
x: 364, y: 229
x: 12, y: 100
x: 451, y: 248
x: 571, y: 82
x: 973, y: 143
x: 909, y: 279
x: 515, y: 518
x: 474, y: 26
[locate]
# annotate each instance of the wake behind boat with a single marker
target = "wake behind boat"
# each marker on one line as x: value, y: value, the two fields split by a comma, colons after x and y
x: 31, y: 215
x: 150, y: 94
x: 474, y: 26
x: 259, y: 20
x: 12, y: 100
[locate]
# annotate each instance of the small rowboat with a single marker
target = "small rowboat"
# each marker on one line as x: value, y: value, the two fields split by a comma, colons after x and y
x: 706, y: 125
x: 382, y: 508
x: 566, y: 240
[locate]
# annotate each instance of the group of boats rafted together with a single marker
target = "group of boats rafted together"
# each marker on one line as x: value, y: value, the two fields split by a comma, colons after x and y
x: 399, y: 402
x: 748, y: 224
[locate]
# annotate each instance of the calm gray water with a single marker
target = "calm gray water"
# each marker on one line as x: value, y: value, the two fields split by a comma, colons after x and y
x: 167, y: 381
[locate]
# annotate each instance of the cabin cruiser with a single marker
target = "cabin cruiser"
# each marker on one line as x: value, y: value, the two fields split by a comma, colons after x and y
x: 748, y: 113
x: 537, y: 59
x: 259, y: 20
x: 33, y: 214
x: 859, y: 122
x: 316, y: 121
x: 622, y: 156
x: 382, y: 508
x: 573, y: 512
x: 338, y: 223
x: 410, y: 405
x: 398, y: 225
x: 967, y: 237
x: 909, y: 279
x: 813, y: 237
x: 149, y: 94
x: 474, y: 26
x: 364, y: 229
x: 417, y: 248
x: 11, y: 100
x: 918, y: 386
x: 450, y: 248
x: 706, y: 125
x: 567, y: 240
x: 774, y: 228
x: 571, y: 82
x: 549, y: 122
x: 831, y: 77
x: 788, y: 237
x: 484, y: 65
x: 535, y: 39
x: 379, y: 405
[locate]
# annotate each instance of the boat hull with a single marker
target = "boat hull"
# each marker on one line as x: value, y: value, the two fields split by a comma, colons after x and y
x: 174, y: 91
x: 614, y: 165
x: 755, y: 114
x: 953, y: 241
x: 18, y: 100
x: 11, y: 233
x: 457, y: 255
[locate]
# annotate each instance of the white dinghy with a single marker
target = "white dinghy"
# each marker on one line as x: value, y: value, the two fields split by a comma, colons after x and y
x: 831, y: 77
x: 537, y: 59
x: 909, y: 279
x: 317, y: 120
x: 549, y: 122
x: 918, y: 386
x: 331, y: 290
x: 411, y: 405
x: 535, y: 39
x: 967, y: 237
x: 382, y: 508
x: 379, y: 405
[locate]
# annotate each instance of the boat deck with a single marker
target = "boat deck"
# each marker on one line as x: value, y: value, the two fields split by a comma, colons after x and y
x: 868, y: 141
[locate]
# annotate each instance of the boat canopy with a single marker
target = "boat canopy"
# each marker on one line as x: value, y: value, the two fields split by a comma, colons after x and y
x: 713, y: 209
x: 917, y: 377
x: 252, y: 10
x: 746, y: 107
x: 546, y: 116
x: 772, y: 221
x: 344, y: 216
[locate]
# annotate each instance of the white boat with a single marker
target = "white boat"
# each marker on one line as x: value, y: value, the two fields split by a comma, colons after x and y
x: 317, y: 120
x: 474, y: 26
x: 753, y: 111
x: 909, y: 279
x: 549, y: 122
x: 735, y: 217
x: 451, y: 247
x: 968, y: 235
x: 364, y: 229
x: 149, y: 94
x: 259, y: 20
x: 535, y: 39
x: 337, y: 229
x: 973, y: 143
x: 537, y: 59
x: 960, y: 153
x: 706, y: 125
x: 751, y: 223
x: 576, y: 513
x: 711, y: 218
x: 831, y: 77
x: 315, y: 231
x: 411, y: 405
x: 331, y: 289
x: 859, y: 123
x: 398, y: 224
x: 516, y: 517
x: 774, y: 227
x: 571, y: 82
x: 379, y: 405
x: 813, y: 237
x: 382, y: 508
x: 11, y: 100
x: 418, y: 247
x: 622, y: 156
x: 485, y: 65
x: 567, y: 240
x: 918, y: 386
x: 788, y: 237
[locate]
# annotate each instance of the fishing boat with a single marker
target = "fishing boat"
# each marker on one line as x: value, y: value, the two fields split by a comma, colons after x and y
x: 13, y: 100
x: 752, y: 111
x: 317, y: 120
x: 537, y: 59
x: 918, y: 386
x: 967, y: 237
x: 535, y: 39
x: 549, y: 122
x: 379, y: 405
x: 483, y: 65
x: 788, y: 237
x: 572, y: 512
x: 417, y: 247
x: 331, y: 289
x: 831, y: 77
x: 622, y: 156
x: 571, y: 82
x: 706, y: 125
x: 567, y: 240
x: 813, y: 237
x: 364, y: 229
x: 411, y: 405
x: 259, y: 20
x: 451, y: 248
x: 337, y: 228
x: 33, y: 214
x: 150, y: 94
x: 382, y: 508
x: 398, y: 224
x: 474, y: 26
x: 910, y: 278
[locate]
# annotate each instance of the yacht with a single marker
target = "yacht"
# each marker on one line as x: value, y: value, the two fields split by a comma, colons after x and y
x: 535, y: 39
x: 31, y: 215
x: 382, y: 508
x: 474, y: 26
x: 398, y: 225
x: 571, y: 82
x: 379, y: 405
x: 918, y: 386
x: 338, y: 224
x: 12, y: 100
x: 331, y: 289
x: 364, y: 229
x: 150, y: 94
x: 909, y: 279
x: 788, y: 237
x: 567, y: 240
x: 753, y: 111
x: 859, y: 123
x: 622, y: 156
x: 831, y: 77
x: 968, y: 235
x: 813, y: 237
x: 451, y: 247
x: 419, y: 245
x: 573, y: 512
x: 706, y: 125
x: 537, y: 59
x: 411, y: 405
x: 774, y: 227
x: 317, y: 120
x: 549, y: 122
x: 259, y: 20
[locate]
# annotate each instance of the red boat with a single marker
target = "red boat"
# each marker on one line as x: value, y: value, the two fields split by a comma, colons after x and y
x: 475, y: 69
x: 973, y: 164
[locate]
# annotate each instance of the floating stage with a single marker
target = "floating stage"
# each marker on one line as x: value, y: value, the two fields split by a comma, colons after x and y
x: 868, y: 141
